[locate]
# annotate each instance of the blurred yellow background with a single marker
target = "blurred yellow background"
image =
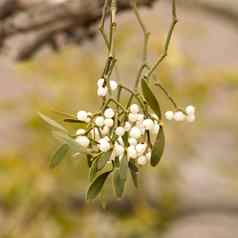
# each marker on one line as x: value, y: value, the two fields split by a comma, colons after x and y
x: 194, y: 190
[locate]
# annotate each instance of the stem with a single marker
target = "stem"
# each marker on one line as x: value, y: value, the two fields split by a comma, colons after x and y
x: 167, y: 94
x: 167, y: 43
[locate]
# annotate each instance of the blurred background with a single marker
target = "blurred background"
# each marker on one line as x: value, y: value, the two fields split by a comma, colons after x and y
x: 194, y: 190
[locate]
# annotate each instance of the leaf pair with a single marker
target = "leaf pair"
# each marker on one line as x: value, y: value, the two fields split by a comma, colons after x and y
x: 59, y: 155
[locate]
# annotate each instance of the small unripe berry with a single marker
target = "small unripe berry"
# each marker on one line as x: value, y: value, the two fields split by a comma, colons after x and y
x: 131, y: 151
x: 132, y: 141
x: 134, y: 108
x: 135, y: 132
x: 113, y: 85
x: 109, y: 122
x: 109, y: 113
x: 80, y: 132
x: 190, y: 109
x: 142, y: 160
x: 83, y: 141
x: 169, y: 115
x: 120, y: 131
x: 102, y: 91
x: 99, y: 121
x: 148, y: 124
x: 132, y: 117
x: 105, y: 130
x: 100, y: 82
x: 140, y: 148
x: 179, y: 116
x: 82, y: 115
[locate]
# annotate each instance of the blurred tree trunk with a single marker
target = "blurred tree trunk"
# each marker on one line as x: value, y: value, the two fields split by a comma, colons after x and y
x: 46, y: 21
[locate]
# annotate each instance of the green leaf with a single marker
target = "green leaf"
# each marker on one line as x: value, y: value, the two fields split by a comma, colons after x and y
x: 97, y: 185
x: 158, y: 148
x: 52, y: 122
x: 123, y: 167
x: 70, y: 120
x: 150, y: 98
x: 59, y: 155
x: 66, y: 139
x: 93, y: 170
x: 118, y: 183
x: 134, y: 173
x: 102, y: 160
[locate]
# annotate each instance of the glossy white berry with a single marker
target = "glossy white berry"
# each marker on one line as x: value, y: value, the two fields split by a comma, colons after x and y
x: 102, y: 91
x: 119, y: 150
x: 105, y: 130
x: 190, y: 109
x: 191, y: 118
x: 100, y: 82
x: 156, y: 129
x: 99, y: 121
x: 109, y: 122
x: 80, y: 132
x: 132, y: 117
x: 179, y: 116
x: 148, y: 124
x: 135, y: 132
x: 82, y: 115
x: 83, y: 141
x: 140, y: 148
x: 134, y: 108
x: 113, y: 85
x: 127, y: 126
x: 142, y: 160
x: 132, y: 141
x: 120, y: 131
x: 169, y: 115
x: 104, y: 145
x: 109, y: 113
x: 131, y: 151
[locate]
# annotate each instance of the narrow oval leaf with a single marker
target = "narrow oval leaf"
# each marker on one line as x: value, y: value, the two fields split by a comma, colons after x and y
x: 134, y: 173
x: 59, y: 155
x: 102, y: 160
x: 150, y: 98
x: 118, y: 183
x: 66, y: 139
x: 97, y: 185
x: 123, y: 167
x: 93, y: 171
x: 158, y: 148
x: 52, y: 122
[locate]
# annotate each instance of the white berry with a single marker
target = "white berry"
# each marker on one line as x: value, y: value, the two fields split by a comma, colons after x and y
x: 169, y: 115
x: 132, y: 117
x: 100, y: 82
x: 102, y: 91
x: 82, y: 115
x: 140, y: 148
x: 80, y: 132
x: 83, y: 141
x: 179, y: 116
x: 109, y: 122
x: 113, y: 85
x: 135, y: 132
x: 142, y: 160
x: 104, y: 145
x: 109, y: 113
x: 134, y: 108
x: 119, y: 150
x: 120, y: 131
x: 148, y: 124
x: 105, y: 130
x: 99, y: 121
x: 131, y: 151
x: 191, y: 118
x: 132, y: 141
x: 127, y: 126
x: 190, y: 109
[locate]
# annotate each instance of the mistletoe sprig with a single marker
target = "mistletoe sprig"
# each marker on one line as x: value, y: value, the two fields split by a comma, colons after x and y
x: 119, y: 138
